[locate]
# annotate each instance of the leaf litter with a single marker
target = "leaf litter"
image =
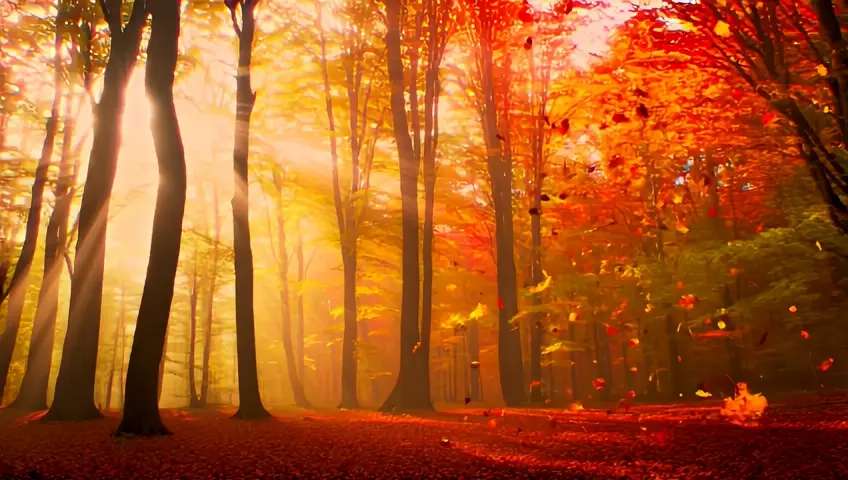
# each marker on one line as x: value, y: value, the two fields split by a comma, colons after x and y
x: 676, y: 441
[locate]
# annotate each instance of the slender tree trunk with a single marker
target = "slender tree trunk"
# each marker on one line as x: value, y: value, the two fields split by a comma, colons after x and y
x: 119, y: 331
x: 500, y: 172
x: 301, y: 276
x: 162, y: 364
x: 141, y: 406
x: 250, y: 401
x: 74, y: 392
x: 20, y: 279
x: 407, y: 394
x: 473, y: 339
x: 210, y: 304
x: 285, y: 305
x: 193, y: 399
x: 346, y: 225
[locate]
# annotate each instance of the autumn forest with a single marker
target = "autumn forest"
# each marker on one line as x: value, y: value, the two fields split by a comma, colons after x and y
x: 438, y: 238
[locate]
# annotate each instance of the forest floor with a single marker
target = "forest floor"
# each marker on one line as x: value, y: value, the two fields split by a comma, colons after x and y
x: 795, y: 440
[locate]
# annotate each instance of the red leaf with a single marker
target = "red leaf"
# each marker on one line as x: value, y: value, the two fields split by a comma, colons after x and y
x: 616, y: 161
x: 500, y: 304
x: 737, y: 94
x: 611, y: 331
x: 825, y: 365
x: 767, y: 118
x: 620, y: 118
x: 599, y: 383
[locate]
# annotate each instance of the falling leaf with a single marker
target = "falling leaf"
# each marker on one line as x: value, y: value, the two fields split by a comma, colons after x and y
x: 563, y: 127
x: 822, y: 70
x: 818, y: 245
x: 630, y: 394
x: 721, y: 325
x: 634, y: 369
x: 528, y: 43
x: 633, y: 342
x: 611, y: 331
x: 763, y: 338
x: 545, y: 197
x: 467, y: 400
x: 445, y: 442
x: 416, y: 347
x: 541, y: 286
x: 478, y: 312
x: 703, y: 394
x: 640, y: 93
x: 793, y: 309
x: 599, y: 383
x: 679, y: 359
x: 533, y: 211
x: 500, y: 304
x: 722, y: 29
x: 805, y: 335
x: 735, y: 272
x: 681, y: 227
x: 642, y: 111
x: 572, y: 317
x: 825, y: 365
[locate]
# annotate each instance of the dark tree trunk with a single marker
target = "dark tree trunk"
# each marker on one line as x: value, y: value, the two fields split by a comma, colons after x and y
x: 193, y: 399
x: 141, y: 405
x: 408, y: 393
x: 349, y: 363
x: 576, y: 388
x: 500, y: 173
x: 74, y: 393
x: 33, y: 393
x: 285, y: 302
x: 675, y: 370
x: 250, y: 401
x: 20, y: 279
x: 210, y: 304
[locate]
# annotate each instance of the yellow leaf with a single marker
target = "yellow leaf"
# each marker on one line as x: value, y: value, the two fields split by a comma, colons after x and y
x: 543, y: 285
x: 572, y: 317
x: 822, y: 70
x: 793, y: 309
x: 818, y: 245
x: 721, y: 325
x: 722, y: 29
x: 703, y: 394
x: 478, y: 312
x: 681, y: 227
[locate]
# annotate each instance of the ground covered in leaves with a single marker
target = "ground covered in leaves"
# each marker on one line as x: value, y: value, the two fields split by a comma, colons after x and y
x: 796, y: 440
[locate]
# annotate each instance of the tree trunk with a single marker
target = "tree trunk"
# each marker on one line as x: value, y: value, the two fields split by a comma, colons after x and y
x: 193, y: 399
x: 162, y: 364
x: 301, y: 276
x: 349, y: 359
x: 119, y: 331
x: 285, y: 305
x: 20, y: 279
x: 500, y: 172
x: 74, y: 393
x: 250, y: 401
x: 141, y: 406
x: 473, y: 341
x: 210, y: 304
x: 408, y: 393
x: 674, y: 368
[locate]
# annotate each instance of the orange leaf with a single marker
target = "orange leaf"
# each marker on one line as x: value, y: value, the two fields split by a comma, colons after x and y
x: 611, y: 331
x: 599, y: 383
x: 804, y: 334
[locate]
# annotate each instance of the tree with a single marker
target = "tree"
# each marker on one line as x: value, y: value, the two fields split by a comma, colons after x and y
x: 20, y: 279
x: 141, y: 403
x: 790, y: 54
x: 74, y: 394
x: 486, y: 21
x: 250, y: 402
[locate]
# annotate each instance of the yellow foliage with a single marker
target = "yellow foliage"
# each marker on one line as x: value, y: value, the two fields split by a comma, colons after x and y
x: 722, y: 29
